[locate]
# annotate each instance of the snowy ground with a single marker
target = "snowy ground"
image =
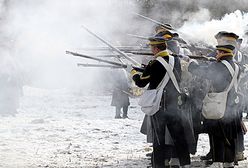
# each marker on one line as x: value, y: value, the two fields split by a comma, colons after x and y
x: 56, y: 128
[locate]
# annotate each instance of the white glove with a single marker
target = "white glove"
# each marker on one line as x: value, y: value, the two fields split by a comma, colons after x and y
x: 129, y: 68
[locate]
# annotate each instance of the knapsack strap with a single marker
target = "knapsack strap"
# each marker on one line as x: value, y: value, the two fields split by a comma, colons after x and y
x: 229, y: 67
x: 234, y: 74
x: 166, y: 77
x: 170, y: 72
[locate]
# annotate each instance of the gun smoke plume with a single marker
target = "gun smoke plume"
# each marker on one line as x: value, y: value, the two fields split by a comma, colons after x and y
x: 41, y: 31
x: 176, y: 12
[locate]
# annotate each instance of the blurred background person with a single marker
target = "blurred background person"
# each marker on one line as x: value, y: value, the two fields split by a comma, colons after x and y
x: 120, y: 95
x: 11, y: 84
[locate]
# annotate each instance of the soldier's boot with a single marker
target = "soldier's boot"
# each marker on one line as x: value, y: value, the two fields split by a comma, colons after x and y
x: 125, y: 108
x: 125, y: 116
x: 117, y: 113
x: 174, y: 162
x: 240, y: 156
x: 208, y: 162
x: 207, y: 157
x: 167, y: 163
x: 228, y: 165
x: 149, y: 154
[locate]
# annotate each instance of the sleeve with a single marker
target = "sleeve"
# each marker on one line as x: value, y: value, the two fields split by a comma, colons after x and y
x: 142, y: 79
x: 153, y: 74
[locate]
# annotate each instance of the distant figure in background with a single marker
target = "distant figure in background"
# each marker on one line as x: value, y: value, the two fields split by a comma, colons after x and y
x: 120, y: 95
x: 10, y: 87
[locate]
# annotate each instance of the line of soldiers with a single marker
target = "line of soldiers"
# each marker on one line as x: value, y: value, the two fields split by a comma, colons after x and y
x: 174, y: 129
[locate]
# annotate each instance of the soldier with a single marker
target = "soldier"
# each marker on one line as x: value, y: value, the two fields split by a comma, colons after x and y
x: 173, y: 46
x: 222, y: 38
x: 163, y: 32
x: 222, y: 132
x: 241, y: 60
x: 169, y: 113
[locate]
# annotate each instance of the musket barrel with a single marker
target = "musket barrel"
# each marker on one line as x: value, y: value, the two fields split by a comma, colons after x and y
x: 97, y: 59
x: 154, y: 21
x: 141, y: 53
x: 160, y: 23
x: 114, y: 48
x: 137, y: 36
x: 97, y: 65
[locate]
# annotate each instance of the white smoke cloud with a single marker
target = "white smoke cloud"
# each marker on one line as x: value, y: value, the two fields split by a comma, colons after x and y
x: 43, y: 30
x: 204, y: 31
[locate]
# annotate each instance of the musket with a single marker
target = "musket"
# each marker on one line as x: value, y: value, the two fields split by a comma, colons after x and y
x: 97, y: 65
x: 102, y: 48
x: 160, y: 23
x: 96, y: 59
x: 109, y: 55
x: 141, y: 53
x: 105, y: 61
x: 138, y: 36
x: 106, y: 55
x: 190, y: 56
x: 201, y: 57
x: 155, y: 21
x: 114, y: 48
